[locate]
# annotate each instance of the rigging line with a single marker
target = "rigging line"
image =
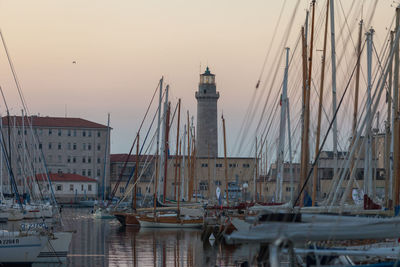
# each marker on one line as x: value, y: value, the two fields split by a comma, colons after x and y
x: 141, y: 149
x: 134, y: 141
x: 270, y: 44
x: 326, y: 135
x: 276, y: 61
x: 21, y: 95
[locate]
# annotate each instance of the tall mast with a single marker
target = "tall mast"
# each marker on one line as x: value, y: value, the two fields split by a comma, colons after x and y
x: 183, y: 165
x: 179, y: 174
x: 333, y: 59
x: 136, y: 171
x: 290, y: 154
x: 1, y: 160
x: 157, y: 160
x: 105, y: 157
x: 177, y: 146
x: 166, y: 148
x: 163, y: 142
x: 396, y: 152
x: 368, y: 144
x: 282, y: 131
x: 189, y: 197
x: 225, y: 162
x: 356, y: 89
x: 387, y: 130
x: 321, y: 97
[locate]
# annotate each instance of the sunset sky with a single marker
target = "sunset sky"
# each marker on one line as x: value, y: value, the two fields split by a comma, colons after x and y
x: 123, y: 47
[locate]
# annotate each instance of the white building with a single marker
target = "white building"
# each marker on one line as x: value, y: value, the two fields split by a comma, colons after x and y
x: 67, y: 187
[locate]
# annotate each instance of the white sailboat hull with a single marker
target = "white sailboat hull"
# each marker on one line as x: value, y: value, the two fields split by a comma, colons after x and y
x: 169, y: 225
x: 56, y: 250
x: 15, y: 248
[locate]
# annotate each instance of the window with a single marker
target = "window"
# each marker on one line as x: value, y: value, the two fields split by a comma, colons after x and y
x: 74, y: 171
x: 58, y: 187
x: 203, y: 186
x: 84, y: 146
x: 19, y: 132
x: 74, y: 159
x: 25, y: 132
x: 121, y: 189
x: 59, y: 132
x: 59, y: 159
x: 98, y: 160
x: 74, y: 146
x: 204, y: 165
x: 218, y: 165
x: 89, y: 172
x: 98, y: 134
x: 71, y: 187
x: 49, y: 158
x: 217, y: 182
x: 232, y: 165
x: 246, y: 165
x: 81, y: 187
x: 69, y: 146
x: 69, y: 132
x: 59, y: 146
x: 89, y: 187
x: 89, y: 146
x: 40, y: 145
x: 50, y: 132
x: 84, y: 172
x: 74, y: 132
x: 49, y: 145
x: 89, y: 133
x: 98, y: 172
x: 98, y: 147
x: 83, y: 159
x: 83, y: 133
x: 89, y: 160
x: 40, y: 131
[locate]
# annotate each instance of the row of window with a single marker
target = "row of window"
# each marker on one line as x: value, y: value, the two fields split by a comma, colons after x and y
x: 84, y: 172
x: 70, y: 146
x: 59, y: 187
x: 71, y: 159
x: 69, y: 132
x: 231, y: 165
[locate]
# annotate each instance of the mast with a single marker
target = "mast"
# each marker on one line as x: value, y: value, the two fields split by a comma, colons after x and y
x: 321, y: 97
x: 194, y: 176
x: 387, y: 130
x: 1, y: 160
x: 282, y: 131
x: 179, y: 174
x: 396, y: 152
x: 105, y: 157
x: 183, y: 164
x: 188, y: 190
x: 225, y: 162
x: 136, y: 171
x: 157, y: 160
x: 290, y: 155
x: 333, y: 57
x: 368, y: 144
x: 177, y: 146
x: 163, y: 143
x: 166, y: 148
x: 255, y: 172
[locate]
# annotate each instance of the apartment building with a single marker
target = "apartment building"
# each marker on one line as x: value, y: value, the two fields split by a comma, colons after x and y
x: 68, y: 145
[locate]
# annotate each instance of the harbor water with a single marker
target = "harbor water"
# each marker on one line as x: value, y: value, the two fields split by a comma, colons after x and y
x: 98, y: 242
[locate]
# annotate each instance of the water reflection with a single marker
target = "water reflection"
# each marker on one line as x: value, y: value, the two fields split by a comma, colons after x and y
x: 105, y: 243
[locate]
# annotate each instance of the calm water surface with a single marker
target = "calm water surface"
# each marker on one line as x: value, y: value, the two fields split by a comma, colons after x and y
x: 106, y: 243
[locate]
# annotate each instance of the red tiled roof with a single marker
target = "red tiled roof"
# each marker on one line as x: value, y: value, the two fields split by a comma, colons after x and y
x: 132, y: 158
x: 65, y: 177
x: 52, y: 122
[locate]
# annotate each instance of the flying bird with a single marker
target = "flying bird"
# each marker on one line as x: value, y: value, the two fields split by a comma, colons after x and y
x: 74, y: 62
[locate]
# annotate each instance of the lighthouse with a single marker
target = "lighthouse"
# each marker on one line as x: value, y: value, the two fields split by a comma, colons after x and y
x: 207, y: 116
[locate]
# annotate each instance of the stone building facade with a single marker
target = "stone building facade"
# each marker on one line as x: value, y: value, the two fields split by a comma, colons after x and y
x: 209, y: 173
x: 68, y: 145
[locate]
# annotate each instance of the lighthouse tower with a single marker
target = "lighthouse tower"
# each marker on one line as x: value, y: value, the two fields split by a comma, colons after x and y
x: 207, y: 116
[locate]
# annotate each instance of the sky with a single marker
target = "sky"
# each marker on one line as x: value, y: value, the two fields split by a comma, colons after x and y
x: 122, y: 48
